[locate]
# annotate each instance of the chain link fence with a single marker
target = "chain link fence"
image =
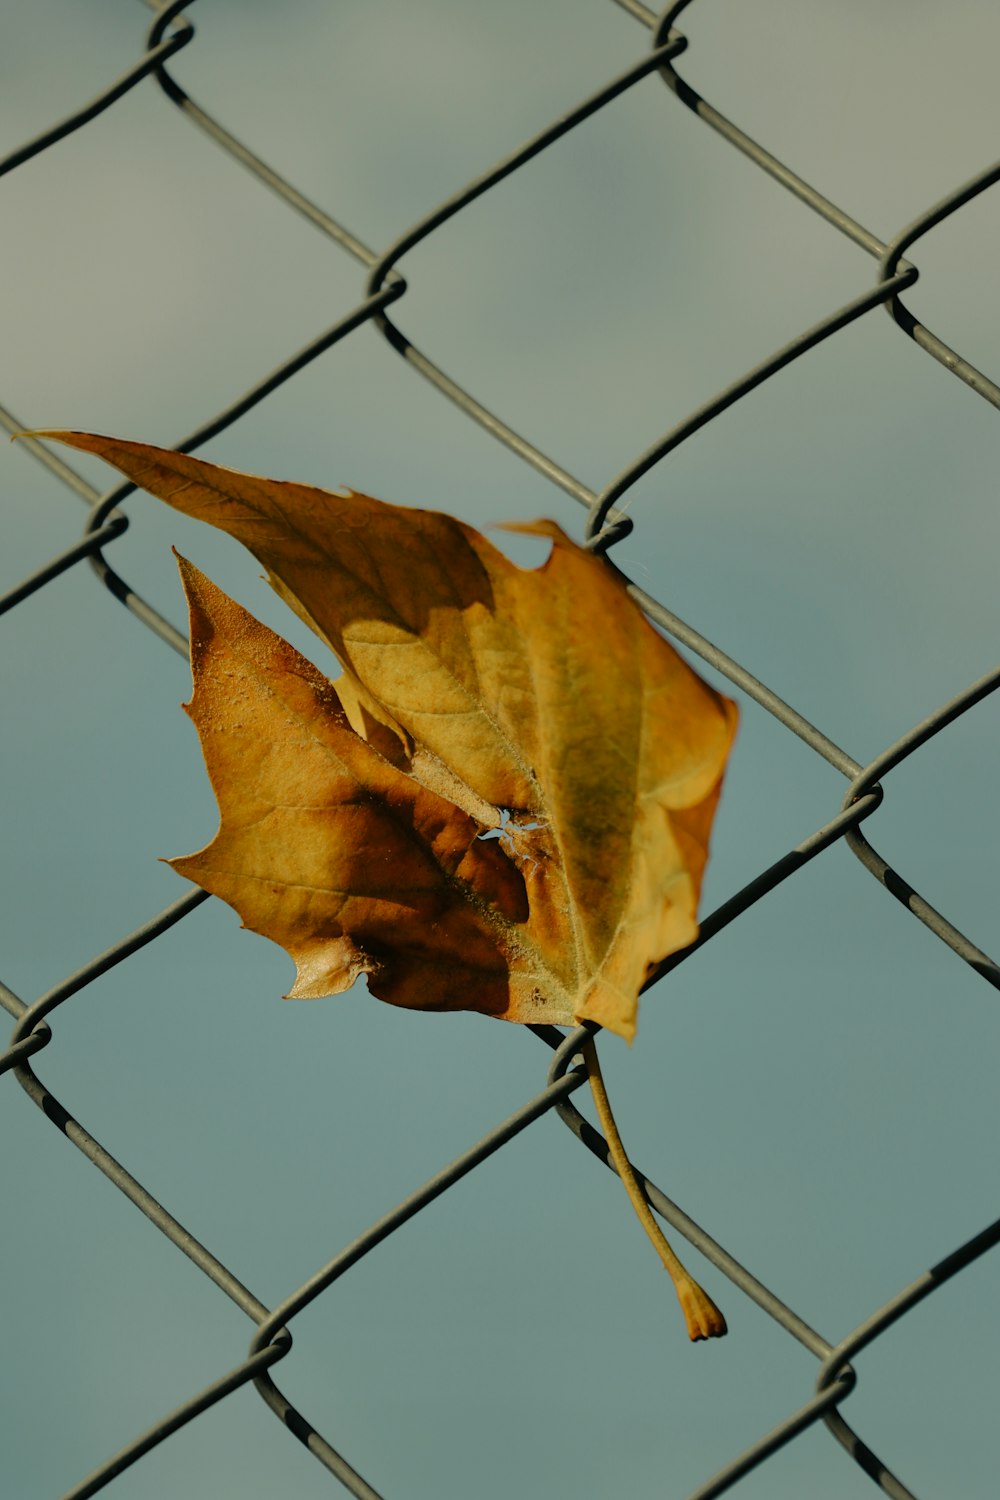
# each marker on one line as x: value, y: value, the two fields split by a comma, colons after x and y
x: 381, y: 302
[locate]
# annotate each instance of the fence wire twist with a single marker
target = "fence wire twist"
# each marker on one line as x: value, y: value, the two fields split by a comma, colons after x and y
x: 606, y: 524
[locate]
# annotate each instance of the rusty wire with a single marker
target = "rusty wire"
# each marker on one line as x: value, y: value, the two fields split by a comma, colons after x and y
x: 383, y: 293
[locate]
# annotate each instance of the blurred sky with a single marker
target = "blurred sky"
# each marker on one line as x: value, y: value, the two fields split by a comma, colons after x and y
x: 818, y: 1085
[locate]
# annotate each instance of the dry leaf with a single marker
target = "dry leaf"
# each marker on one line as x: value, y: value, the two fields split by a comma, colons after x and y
x: 477, y: 696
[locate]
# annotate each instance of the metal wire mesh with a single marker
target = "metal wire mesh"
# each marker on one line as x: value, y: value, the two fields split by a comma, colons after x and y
x: 381, y: 302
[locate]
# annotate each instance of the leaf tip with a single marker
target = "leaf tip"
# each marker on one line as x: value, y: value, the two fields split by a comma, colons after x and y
x: 53, y: 434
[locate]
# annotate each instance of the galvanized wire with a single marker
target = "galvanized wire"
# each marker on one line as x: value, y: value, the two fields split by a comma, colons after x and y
x: 271, y: 1342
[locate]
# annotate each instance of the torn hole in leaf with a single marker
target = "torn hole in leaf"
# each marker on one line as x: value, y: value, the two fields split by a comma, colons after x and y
x: 515, y: 836
x: 509, y: 826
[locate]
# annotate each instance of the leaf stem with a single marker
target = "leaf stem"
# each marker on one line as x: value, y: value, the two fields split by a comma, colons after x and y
x: 703, y: 1318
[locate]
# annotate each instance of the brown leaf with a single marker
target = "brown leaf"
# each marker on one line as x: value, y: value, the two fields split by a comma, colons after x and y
x: 476, y: 696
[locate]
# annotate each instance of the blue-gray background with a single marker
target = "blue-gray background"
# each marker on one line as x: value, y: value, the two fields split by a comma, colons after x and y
x: 817, y: 1086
